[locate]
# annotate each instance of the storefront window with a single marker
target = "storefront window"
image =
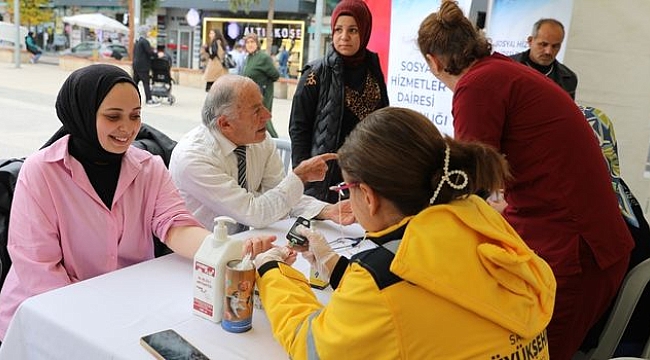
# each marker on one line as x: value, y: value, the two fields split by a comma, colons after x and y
x: 285, y: 32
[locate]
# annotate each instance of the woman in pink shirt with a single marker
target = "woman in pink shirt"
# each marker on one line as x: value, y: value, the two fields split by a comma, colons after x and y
x: 90, y: 203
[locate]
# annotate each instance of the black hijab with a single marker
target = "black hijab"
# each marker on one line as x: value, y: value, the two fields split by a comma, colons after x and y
x: 76, y: 106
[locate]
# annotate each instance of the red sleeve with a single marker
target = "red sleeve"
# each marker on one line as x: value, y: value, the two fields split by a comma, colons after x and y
x: 479, y: 113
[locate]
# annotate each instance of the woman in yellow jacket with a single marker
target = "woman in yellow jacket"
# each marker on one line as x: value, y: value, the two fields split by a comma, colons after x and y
x: 449, y: 278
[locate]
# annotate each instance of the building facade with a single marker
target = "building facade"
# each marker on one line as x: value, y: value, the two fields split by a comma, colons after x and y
x: 169, y: 26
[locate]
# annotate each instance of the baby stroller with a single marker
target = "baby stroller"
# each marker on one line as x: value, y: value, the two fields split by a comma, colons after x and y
x: 161, y: 80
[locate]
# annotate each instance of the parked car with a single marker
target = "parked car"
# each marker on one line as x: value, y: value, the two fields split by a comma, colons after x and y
x: 87, y: 49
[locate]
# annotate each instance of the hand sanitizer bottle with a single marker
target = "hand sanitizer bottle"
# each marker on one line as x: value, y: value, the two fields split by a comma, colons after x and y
x: 210, y: 267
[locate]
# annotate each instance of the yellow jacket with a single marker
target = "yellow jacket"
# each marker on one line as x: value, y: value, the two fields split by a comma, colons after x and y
x: 462, y: 285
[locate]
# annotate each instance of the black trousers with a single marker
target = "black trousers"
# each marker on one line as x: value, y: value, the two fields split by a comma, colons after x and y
x: 143, y: 75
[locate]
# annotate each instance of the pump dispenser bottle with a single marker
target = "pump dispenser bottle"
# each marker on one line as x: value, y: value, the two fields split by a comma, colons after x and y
x: 210, y: 267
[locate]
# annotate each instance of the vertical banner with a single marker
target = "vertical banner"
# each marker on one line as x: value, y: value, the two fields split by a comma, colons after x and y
x: 380, y: 34
x: 409, y: 80
x: 510, y: 22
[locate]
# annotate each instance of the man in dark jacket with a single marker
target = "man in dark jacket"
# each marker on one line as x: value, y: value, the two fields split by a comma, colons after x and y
x: 545, y: 42
x: 143, y: 53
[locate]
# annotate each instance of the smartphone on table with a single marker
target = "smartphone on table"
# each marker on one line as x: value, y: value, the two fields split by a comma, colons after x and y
x: 169, y: 345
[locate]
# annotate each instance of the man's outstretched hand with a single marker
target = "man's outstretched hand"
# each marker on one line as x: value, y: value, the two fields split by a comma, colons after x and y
x: 315, y: 168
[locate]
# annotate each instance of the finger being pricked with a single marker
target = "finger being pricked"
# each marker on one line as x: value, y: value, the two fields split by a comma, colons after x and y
x: 292, y: 255
x: 258, y: 244
x: 299, y: 248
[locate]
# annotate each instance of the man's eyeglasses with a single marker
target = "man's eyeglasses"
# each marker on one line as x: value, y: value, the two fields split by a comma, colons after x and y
x: 344, y: 189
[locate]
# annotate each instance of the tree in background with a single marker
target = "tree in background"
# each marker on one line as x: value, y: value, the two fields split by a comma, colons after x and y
x: 330, y: 5
x: 246, y: 6
x: 149, y: 7
x: 33, y: 12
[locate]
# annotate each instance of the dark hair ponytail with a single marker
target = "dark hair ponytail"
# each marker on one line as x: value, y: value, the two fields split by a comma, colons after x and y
x: 486, y: 171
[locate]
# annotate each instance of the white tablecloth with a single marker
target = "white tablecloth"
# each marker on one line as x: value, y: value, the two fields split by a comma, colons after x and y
x: 104, y: 317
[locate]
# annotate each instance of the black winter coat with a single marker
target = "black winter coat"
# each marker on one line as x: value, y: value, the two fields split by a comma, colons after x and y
x: 317, y: 115
x: 142, y: 55
x: 560, y: 74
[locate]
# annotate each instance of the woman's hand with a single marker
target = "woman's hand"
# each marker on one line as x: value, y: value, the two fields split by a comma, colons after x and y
x: 497, y: 201
x: 257, y: 245
x: 279, y: 253
x: 318, y: 251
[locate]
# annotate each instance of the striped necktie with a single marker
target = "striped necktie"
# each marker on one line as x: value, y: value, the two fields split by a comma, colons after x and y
x: 240, y: 152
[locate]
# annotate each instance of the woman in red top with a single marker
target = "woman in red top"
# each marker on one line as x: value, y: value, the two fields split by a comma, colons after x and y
x: 560, y: 201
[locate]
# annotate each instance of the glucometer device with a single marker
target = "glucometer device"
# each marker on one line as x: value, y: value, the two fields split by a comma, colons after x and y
x: 296, y: 239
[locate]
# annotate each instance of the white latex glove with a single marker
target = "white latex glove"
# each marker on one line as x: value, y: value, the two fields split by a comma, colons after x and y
x: 282, y: 254
x: 320, y: 251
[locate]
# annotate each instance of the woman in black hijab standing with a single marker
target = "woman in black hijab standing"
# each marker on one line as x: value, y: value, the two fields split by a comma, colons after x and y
x: 90, y: 203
